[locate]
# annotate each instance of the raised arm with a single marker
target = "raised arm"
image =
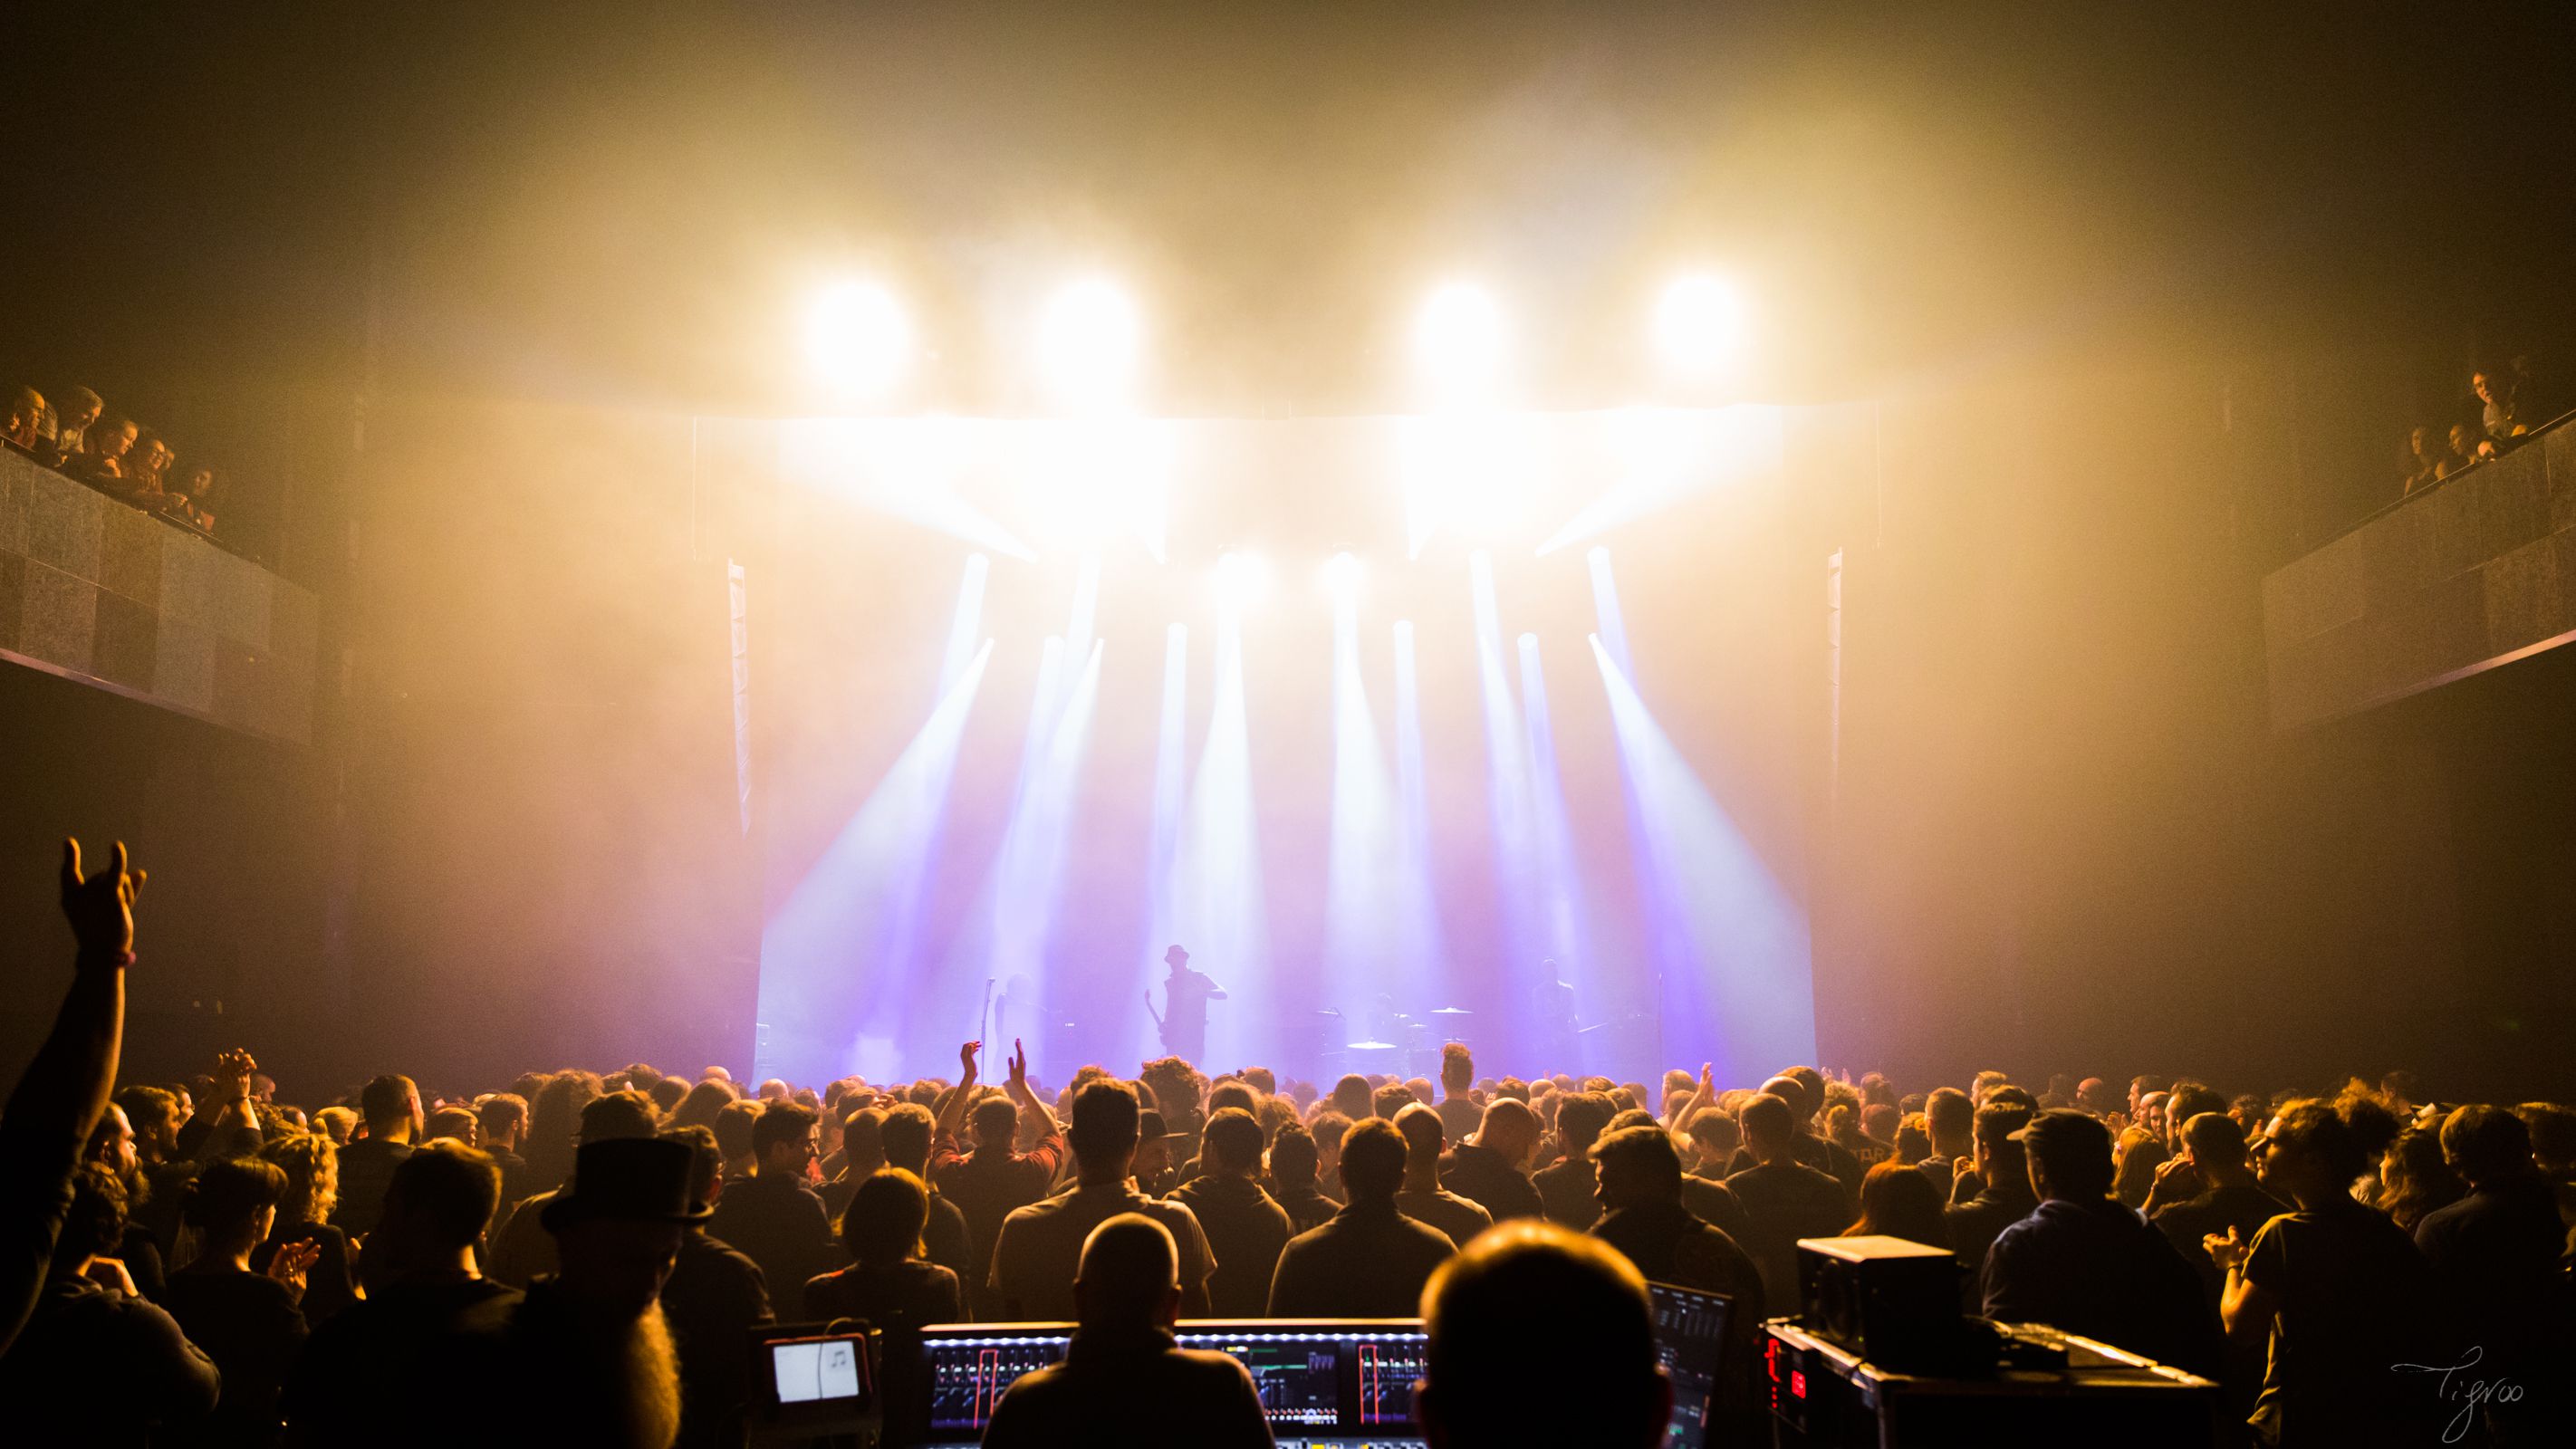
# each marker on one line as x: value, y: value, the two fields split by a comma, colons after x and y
x: 952, y: 1109
x: 1018, y: 1087
x: 64, y: 1090
x: 1681, y: 1116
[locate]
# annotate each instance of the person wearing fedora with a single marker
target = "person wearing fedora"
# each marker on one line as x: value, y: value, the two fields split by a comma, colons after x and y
x: 593, y: 1335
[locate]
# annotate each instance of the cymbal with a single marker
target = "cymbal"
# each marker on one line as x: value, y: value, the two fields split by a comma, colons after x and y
x: 1451, y: 1011
x: 1370, y: 1046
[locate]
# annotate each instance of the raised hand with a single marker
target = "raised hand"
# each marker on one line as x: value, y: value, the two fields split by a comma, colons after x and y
x: 966, y: 1061
x: 1019, y: 1068
x: 232, y: 1076
x: 100, y: 907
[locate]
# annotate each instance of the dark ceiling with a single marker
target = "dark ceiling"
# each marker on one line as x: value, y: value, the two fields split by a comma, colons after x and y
x: 630, y: 201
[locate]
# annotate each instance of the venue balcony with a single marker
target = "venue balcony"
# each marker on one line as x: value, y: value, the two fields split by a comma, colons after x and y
x: 2476, y: 571
x: 97, y: 591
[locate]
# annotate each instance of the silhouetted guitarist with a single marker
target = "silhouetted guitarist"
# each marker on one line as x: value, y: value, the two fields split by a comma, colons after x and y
x: 1182, y: 1023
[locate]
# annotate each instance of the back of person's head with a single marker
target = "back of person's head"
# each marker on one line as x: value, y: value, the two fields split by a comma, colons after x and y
x: 733, y: 1126
x: 996, y: 1121
x: 616, y: 1116
x: 1793, y: 1092
x: 1423, y: 1135
x: 2008, y: 1095
x: 1529, y: 1282
x: 1351, y: 1096
x: 455, y: 1123
x: 1390, y: 1099
x: 1769, y: 1123
x: 2214, y: 1139
x: 501, y: 1115
x: 1508, y: 1126
x: 228, y: 1195
x: 782, y: 1123
x: 312, y: 1168
x: 2311, y: 1132
x: 906, y: 1136
x: 1103, y: 1130
x: 1638, y: 1165
x: 2553, y: 1134
x: 1293, y: 1160
x: 445, y: 1195
x: 2070, y: 1154
x: 1373, y: 1155
x: 1232, y: 1140
x: 707, y: 1159
x: 863, y: 1139
x: 700, y: 1103
x: 2486, y: 1144
x: 1713, y: 1131
x: 1582, y: 1117
x: 1949, y: 1115
x: 884, y: 1219
x: 1457, y: 1067
x: 387, y: 1101
x: 1814, y: 1087
x: 1232, y: 1094
x: 1913, y: 1138
x: 1129, y: 1276
x: 95, y: 1222
x: 1996, y: 1122
x: 2372, y: 1118
x: 1898, y: 1201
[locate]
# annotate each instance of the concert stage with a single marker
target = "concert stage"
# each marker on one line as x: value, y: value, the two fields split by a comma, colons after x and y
x: 1501, y: 728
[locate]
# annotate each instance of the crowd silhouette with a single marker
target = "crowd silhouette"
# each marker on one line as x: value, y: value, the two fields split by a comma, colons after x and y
x: 577, y: 1257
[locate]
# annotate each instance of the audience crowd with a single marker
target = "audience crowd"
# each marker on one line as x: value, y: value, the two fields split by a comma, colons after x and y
x: 112, y: 453
x: 2510, y: 408
x: 575, y: 1258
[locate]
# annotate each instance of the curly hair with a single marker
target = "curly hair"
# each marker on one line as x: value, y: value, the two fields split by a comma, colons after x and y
x: 312, y: 1168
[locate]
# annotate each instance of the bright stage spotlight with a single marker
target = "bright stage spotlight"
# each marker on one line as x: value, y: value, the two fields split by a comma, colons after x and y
x: 1090, y: 341
x: 1241, y: 581
x: 1342, y: 575
x: 1699, y: 326
x: 858, y: 339
x: 1458, y: 340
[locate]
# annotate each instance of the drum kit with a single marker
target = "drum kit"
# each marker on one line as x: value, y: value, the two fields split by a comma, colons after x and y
x: 1418, y: 1051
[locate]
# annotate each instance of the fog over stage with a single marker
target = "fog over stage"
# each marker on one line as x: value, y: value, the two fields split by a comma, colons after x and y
x: 1376, y: 716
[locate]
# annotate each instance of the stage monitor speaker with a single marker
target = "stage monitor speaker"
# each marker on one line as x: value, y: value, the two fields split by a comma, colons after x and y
x: 1892, y: 1301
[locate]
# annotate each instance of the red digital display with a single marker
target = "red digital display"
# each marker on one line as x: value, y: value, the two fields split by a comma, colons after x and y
x: 1798, y: 1383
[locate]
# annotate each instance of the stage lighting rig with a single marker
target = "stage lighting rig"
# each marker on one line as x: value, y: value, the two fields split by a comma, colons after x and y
x: 1090, y: 345
x: 1700, y: 327
x: 859, y: 340
x: 1458, y: 342
x: 1242, y: 580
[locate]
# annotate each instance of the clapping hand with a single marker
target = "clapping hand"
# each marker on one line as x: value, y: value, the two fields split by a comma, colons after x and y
x: 101, y: 907
x: 292, y: 1262
x: 1019, y: 1082
x: 232, y: 1076
x: 966, y: 1062
x: 2227, y: 1252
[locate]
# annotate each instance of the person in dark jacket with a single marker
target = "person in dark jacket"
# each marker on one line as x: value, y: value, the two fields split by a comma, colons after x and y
x: 2085, y: 1263
x: 1123, y: 1381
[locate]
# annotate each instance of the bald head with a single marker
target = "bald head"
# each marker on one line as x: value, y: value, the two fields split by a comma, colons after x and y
x: 1520, y: 1284
x: 1509, y: 1128
x: 1130, y: 1276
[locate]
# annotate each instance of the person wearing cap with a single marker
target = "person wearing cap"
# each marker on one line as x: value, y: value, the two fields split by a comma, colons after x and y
x: 522, y: 1250
x: 2084, y: 1263
x: 1036, y: 1257
x: 1152, y: 1169
x: 1123, y: 1381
